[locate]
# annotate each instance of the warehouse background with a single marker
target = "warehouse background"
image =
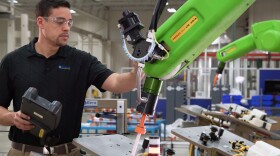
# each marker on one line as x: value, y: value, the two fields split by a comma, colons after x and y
x: 95, y: 25
x: 95, y: 29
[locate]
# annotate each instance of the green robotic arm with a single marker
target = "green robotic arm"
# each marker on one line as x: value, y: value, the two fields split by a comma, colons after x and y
x: 166, y: 51
x: 265, y: 36
x: 180, y: 40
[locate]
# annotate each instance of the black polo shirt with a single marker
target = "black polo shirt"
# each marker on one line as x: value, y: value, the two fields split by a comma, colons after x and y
x: 64, y: 77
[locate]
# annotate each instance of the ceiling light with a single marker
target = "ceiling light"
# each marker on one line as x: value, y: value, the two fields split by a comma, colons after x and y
x: 223, y: 39
x: 13, y: 1
x: 171, y: 10
x: 167, y: 3
x: 73, y: 11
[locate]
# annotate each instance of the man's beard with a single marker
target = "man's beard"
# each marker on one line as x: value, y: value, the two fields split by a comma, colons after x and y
x: 59, y: 43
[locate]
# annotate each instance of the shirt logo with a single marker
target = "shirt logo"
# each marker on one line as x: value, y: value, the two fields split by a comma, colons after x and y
x: 64, y: 67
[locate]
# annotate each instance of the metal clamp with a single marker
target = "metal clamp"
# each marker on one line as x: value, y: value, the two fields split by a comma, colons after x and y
x: 48, y: 150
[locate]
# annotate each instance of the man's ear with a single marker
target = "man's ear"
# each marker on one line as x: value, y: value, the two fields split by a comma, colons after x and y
x: 40, y: 22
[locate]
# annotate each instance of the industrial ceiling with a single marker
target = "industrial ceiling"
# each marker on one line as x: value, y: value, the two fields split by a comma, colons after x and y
x: 94, y: 7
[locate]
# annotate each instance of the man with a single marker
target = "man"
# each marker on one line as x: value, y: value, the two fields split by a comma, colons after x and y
x: 59, y: 72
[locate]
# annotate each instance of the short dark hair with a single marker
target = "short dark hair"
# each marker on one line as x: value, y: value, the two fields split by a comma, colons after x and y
x: 44, y: 7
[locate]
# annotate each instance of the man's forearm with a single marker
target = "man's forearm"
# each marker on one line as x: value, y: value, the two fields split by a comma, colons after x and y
x: 119, y: 83
x: 126, y: 81
x: 6, y: 117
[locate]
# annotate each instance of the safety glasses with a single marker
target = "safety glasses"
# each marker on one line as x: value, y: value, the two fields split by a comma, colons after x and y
x: 59, y: 20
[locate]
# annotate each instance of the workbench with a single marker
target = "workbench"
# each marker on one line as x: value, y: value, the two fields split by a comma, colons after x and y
x: 238, y: 109
x: 106, y: 145
x: 198, y: 112
x: 213, y: 148
x: 236, y: 126
x: 247, y: 130
x: 149, y: 128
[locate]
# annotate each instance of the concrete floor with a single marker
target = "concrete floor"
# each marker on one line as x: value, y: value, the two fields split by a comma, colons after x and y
x: 4, y: 143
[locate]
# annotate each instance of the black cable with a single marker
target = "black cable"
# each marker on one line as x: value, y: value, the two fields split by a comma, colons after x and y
x: 156, y: 14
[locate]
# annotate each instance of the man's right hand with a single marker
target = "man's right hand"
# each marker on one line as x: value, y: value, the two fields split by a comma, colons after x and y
x: 22, y: 121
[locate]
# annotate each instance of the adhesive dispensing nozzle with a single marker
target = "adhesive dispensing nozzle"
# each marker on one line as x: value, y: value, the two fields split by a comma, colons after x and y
x: 219, y: 72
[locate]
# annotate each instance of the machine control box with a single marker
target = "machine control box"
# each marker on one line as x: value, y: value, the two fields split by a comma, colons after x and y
x: 44, y: 115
